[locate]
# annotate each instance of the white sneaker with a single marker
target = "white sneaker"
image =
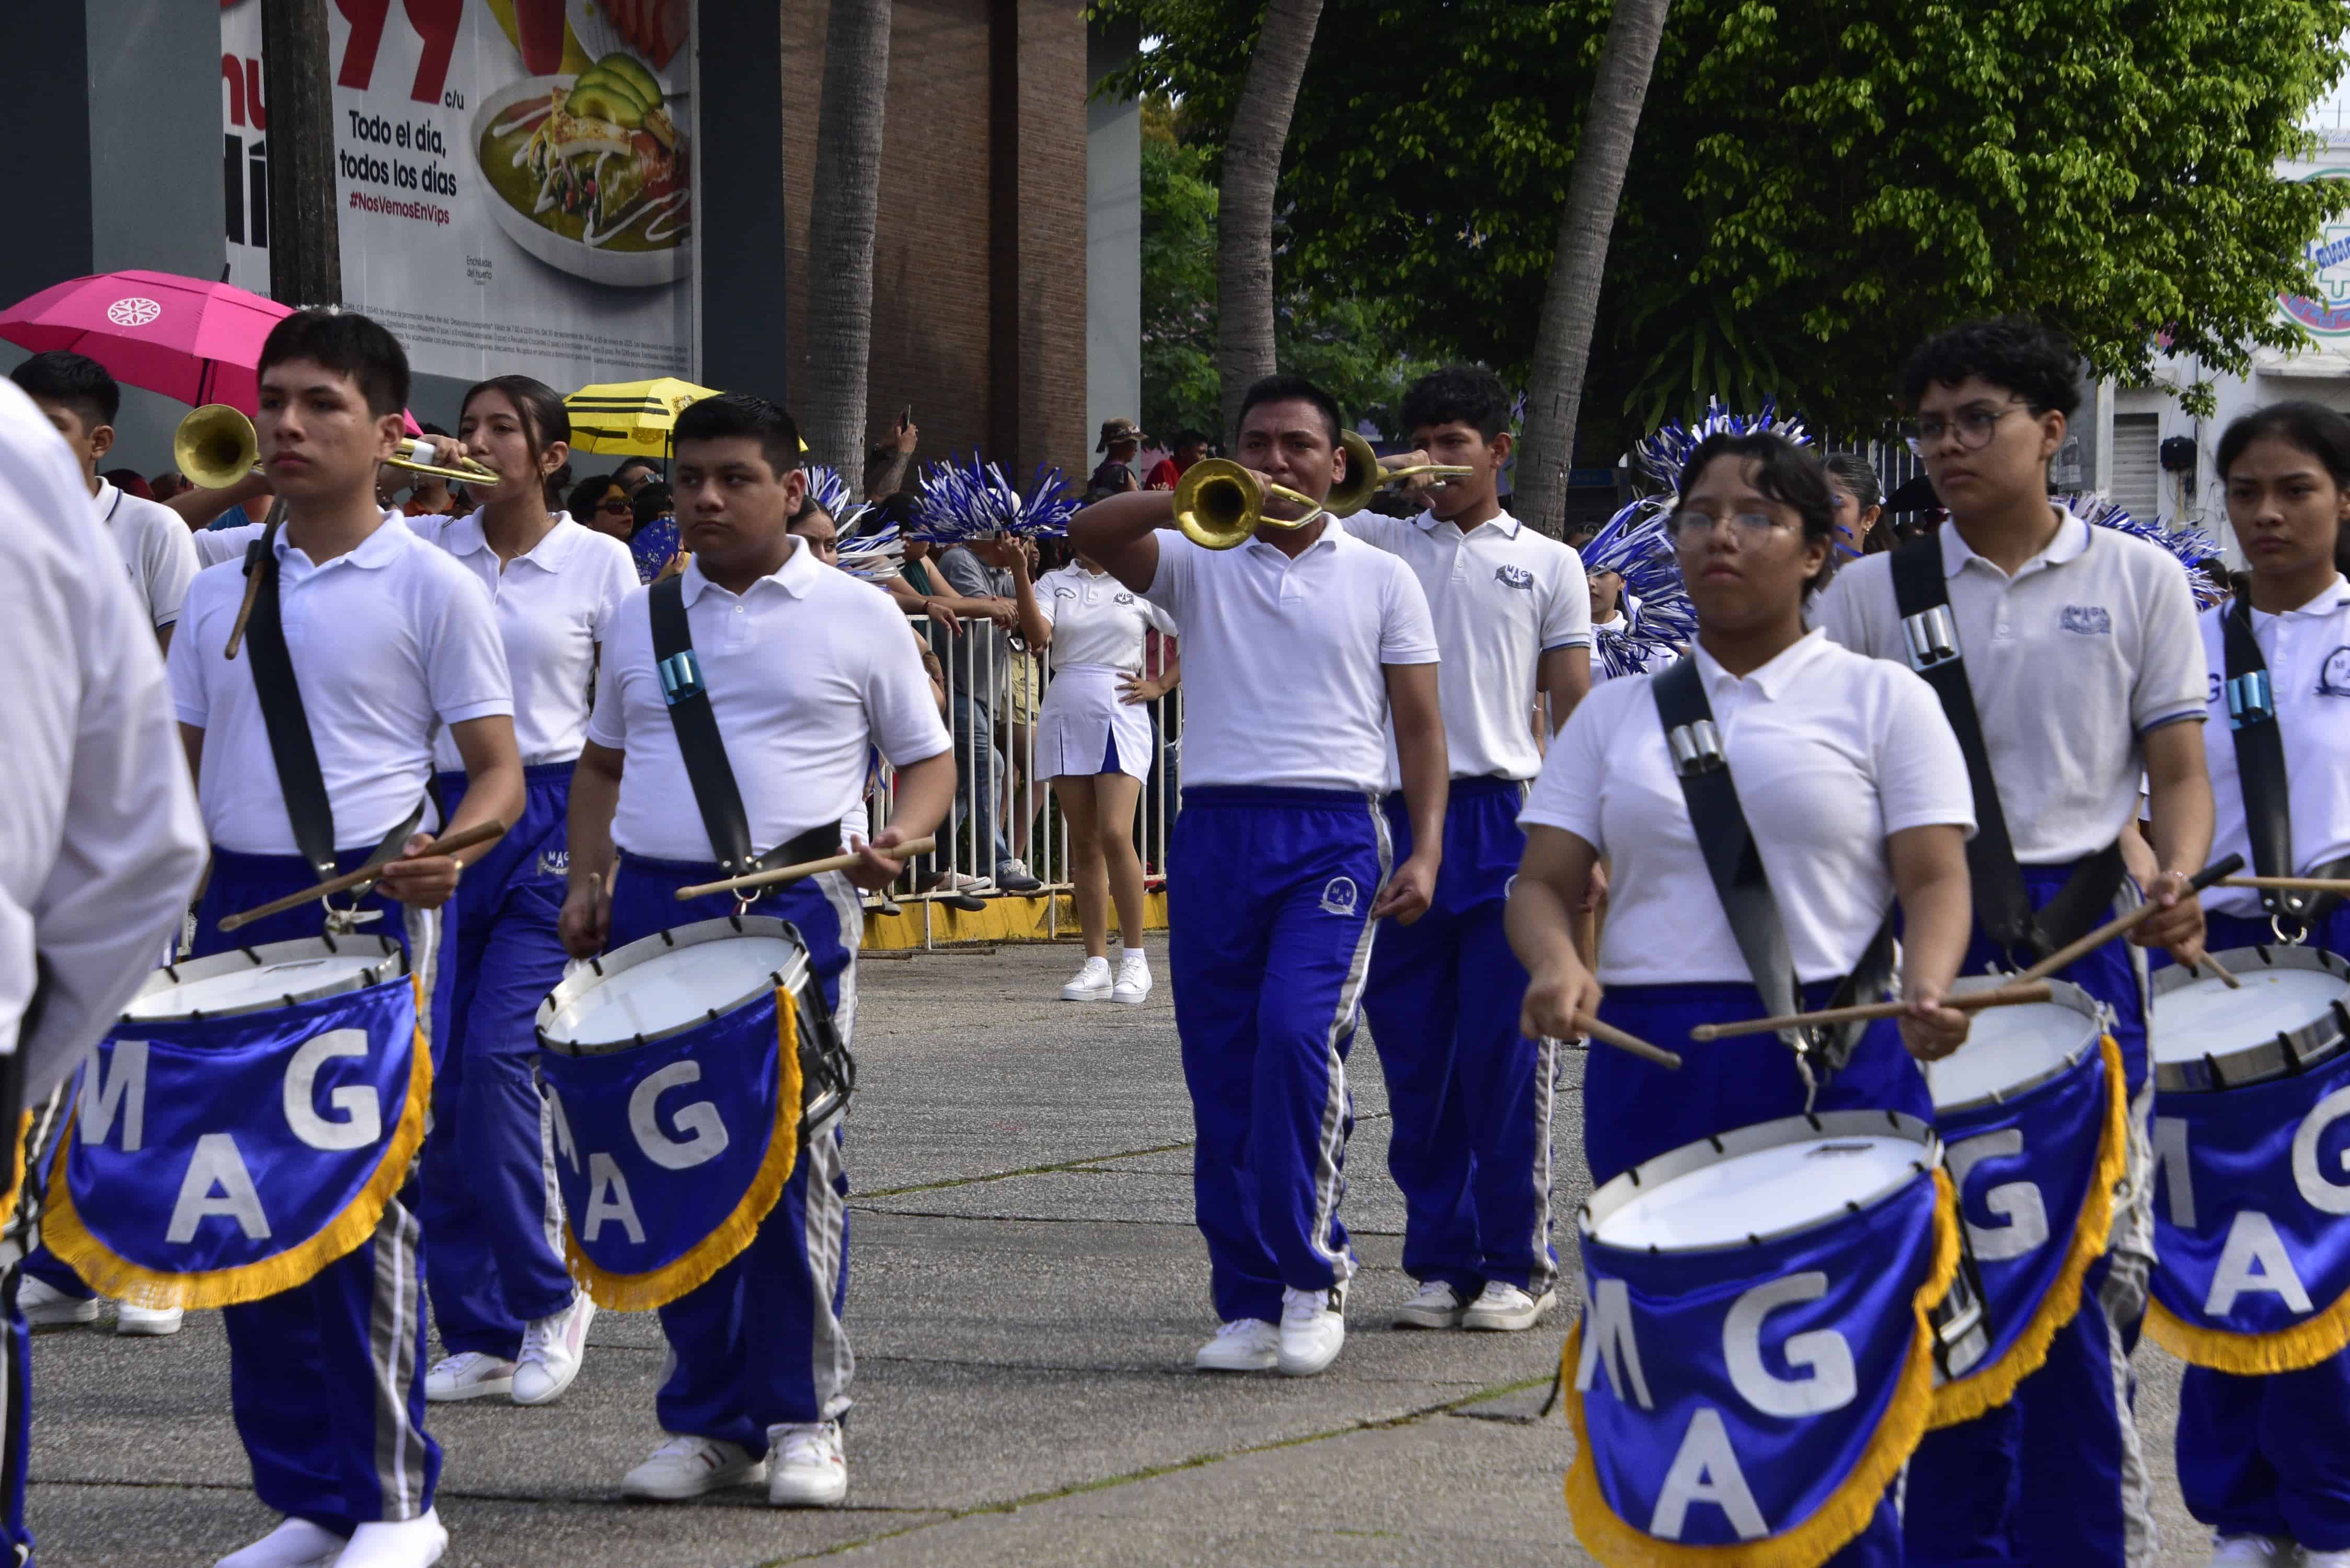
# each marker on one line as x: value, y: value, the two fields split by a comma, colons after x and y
x: 296, y: 1543
x: 1091, y: 982
x: 2249, y: 1551
x: 46, y: 1306
x: 397, y: 1543
x: 468, y: 1375
x: 805, y: 1466
x: 1434, y: 1306
x: 146, y: 1323
x: 551, y: 1351
x: 1244, y: 1344
x: 1507, y: 1308
x: 1133, y: 986
x: 1312, y: 1329
x: 688, y: 1466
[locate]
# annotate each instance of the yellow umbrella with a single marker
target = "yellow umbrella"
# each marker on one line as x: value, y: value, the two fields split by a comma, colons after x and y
x: 630, y: 418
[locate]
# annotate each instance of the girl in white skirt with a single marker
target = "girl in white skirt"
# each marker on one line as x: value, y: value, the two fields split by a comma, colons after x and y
x: 1093, y: 741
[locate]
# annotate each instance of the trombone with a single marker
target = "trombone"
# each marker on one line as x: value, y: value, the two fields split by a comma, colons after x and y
x: 1218, y: 504
x: 216, y: 445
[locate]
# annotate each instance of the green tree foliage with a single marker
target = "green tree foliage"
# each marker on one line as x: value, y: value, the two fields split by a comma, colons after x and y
x: 1818, y: 183
x: 1346, y: 340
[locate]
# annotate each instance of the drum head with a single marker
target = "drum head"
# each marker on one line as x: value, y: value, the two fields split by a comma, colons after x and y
x: 672, y: 980
x: 254, y: 980
x: 1764, y: 1182
x: 2011, y: 1049
x: 2206, y: 1036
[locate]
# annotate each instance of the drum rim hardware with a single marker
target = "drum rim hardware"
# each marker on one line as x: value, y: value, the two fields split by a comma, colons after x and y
x: 698, y: 933
x: 2285, y: 1054
x: 391, y: 963
x: 2062, y: 994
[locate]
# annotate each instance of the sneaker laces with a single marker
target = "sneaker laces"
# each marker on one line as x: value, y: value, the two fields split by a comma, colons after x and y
x: 1238, y: 1327
x: 462, y: 1365
x: 533, y: 1340
x: 680, y: 1448
x: 810, y: 1445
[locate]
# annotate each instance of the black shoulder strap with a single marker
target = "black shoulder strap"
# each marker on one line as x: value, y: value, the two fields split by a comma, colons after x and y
x: 696, y: 724
x: 2260, y: 761
x: 1921, y: 594
x: 290, y: 746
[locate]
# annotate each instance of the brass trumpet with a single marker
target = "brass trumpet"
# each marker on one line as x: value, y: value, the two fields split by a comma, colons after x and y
x: 1218, y: 504
x: 216, y: 445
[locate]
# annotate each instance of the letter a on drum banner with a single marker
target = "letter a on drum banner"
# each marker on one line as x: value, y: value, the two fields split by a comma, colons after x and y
x: 1748, y: 1408
x: 210, y: 1161
x: 2252, y: 1213
x: 670, y: 1154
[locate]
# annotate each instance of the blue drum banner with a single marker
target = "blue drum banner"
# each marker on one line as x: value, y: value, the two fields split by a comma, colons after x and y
x: 1748, y: 1407
x: 2251, y: 1188
x: 670, y: 1154
x: 2036, y: 1176
x: 211, y: 1161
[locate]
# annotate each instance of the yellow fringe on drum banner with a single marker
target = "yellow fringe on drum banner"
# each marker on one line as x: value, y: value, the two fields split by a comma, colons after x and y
x: 1836, y: 1522
x: 2305, y: 1344
x: 101, y: 1270
x: 17, y: 1170
x: 1987, y: 1388
x: 658, y: 1287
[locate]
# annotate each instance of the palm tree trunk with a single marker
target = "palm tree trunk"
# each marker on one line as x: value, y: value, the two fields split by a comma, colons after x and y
x: 1570, y: 299
x: 1244, y: 202
x: 830, y: 395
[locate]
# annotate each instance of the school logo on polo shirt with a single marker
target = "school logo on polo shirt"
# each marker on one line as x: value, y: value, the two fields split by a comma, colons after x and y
x: 1515, y: 577
x: 1339, y: 896
x: 2334, y: 675
x: 2088, y: 620
x: 1065, y: 593
x: 555, y: 863
x: 1123, y: 599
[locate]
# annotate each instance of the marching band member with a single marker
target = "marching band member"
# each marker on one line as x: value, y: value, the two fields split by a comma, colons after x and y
x: 2081, y: 672
x: 1298, y: 646
x: 387, y: 638
x: 2265, y: 1461
x: 99, y: 848
x: 510, y: 1320
x: 1093, y: 741
x: 805, y: 668
x: 1470, y: 1094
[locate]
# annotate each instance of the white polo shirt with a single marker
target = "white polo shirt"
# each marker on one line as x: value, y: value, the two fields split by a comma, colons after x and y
x: 1096, y: 619
x: 2307, y: 652
x: 388, y: 641
x: 2089, y: 646
x: 1283, y: 661
x: 553, y: 605
x: 156, y: 546
x: 1831, y: 753
x: 805, y: 671
x: 1501, y: 595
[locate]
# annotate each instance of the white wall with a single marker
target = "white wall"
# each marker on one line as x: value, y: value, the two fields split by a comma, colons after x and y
x: 1113, y: 244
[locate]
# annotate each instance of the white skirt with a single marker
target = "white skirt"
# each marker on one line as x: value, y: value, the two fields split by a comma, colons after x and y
x: 1082, y: 728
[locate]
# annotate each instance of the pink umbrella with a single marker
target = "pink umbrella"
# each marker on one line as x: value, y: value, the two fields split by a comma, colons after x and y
x: 182, y: 337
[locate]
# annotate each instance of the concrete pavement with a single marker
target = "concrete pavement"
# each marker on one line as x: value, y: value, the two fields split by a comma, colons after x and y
x: 1026, y: 1290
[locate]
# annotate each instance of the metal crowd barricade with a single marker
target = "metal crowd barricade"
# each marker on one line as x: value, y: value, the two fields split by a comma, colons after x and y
x: 991, y: 713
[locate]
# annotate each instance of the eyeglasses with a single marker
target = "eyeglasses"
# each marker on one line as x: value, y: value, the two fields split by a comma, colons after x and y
x: 1753, y: 526
x: 1974, y: 425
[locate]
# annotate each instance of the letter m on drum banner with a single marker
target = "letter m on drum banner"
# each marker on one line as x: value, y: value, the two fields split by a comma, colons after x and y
x: 210, y: 1161
x: 670, y: 1154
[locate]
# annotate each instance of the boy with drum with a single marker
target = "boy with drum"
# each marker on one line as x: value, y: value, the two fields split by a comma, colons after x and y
x: 2079, y: 654
x: 388, y: 641
x: 805, y: 668
x: 2265, y: 1461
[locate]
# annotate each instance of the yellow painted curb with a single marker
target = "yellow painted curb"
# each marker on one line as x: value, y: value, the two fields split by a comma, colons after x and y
x: 1032, y: 918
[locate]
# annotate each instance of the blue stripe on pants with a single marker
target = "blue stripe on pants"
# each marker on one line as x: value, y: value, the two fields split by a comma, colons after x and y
x: 760, y: 1344
x: 487, y: 1197
x: 1470, y: 1097
x: 1269, y: 894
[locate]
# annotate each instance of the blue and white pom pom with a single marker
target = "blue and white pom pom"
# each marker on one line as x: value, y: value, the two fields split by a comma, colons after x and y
x: 1635, y: 543
x: 828, y: 490
x: 1663, y: 455
x: 975, y: 499
x: 2193, y: 548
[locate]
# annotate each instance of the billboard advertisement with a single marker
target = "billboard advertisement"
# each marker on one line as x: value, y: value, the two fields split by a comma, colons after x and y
x: 515, y: 179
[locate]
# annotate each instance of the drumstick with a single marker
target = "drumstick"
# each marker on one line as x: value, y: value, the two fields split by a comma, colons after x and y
x: 1608, y: 1034
x: 1870, y: 1012
x: 2292, y: 884
x: 768, y: 878
x: 480, y: 833
x: 2121, y: 925
x: 2221, y: 970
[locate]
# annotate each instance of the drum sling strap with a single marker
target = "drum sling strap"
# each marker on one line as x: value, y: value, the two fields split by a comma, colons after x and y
x: 1736, y: 867
x: 2260, y: 767
x: 1922, y: 593
x: 291, y: 749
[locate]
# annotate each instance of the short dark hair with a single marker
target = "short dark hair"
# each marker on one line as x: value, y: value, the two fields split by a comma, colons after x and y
x: 76, y: 381
x: 2308, y: 427
x: 620, y: 475
x: 587, y: 497
x: 2036, y: 363
x: 1784, y: 473
x: 1858, y: 478
x: 545, y: 419
x: 1187, y: 436
x: 1470, y: 393
x: 348, y: 342
x: 652, y: 501
x: 732, y: 414
x: 1287, y: 388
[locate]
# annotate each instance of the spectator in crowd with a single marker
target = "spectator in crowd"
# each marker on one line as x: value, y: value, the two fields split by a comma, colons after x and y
x: 1190, y: 446
x: 232, y: 506
x: 656, y: 543
x: 429, y: 494
x: 634, y: 473
x: 984, y: 569
x: 885, y: 465
x: 1122, y: 440
x: 816, y: 526
x: 598, y: 501
x: 130, y: 482
x: 1860, y: 527
x: 168, y: 483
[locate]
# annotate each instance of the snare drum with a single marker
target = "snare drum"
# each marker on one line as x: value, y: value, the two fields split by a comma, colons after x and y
x: 2292, y: 1013
x: 246, y: 981
x: 1775, y: 1301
